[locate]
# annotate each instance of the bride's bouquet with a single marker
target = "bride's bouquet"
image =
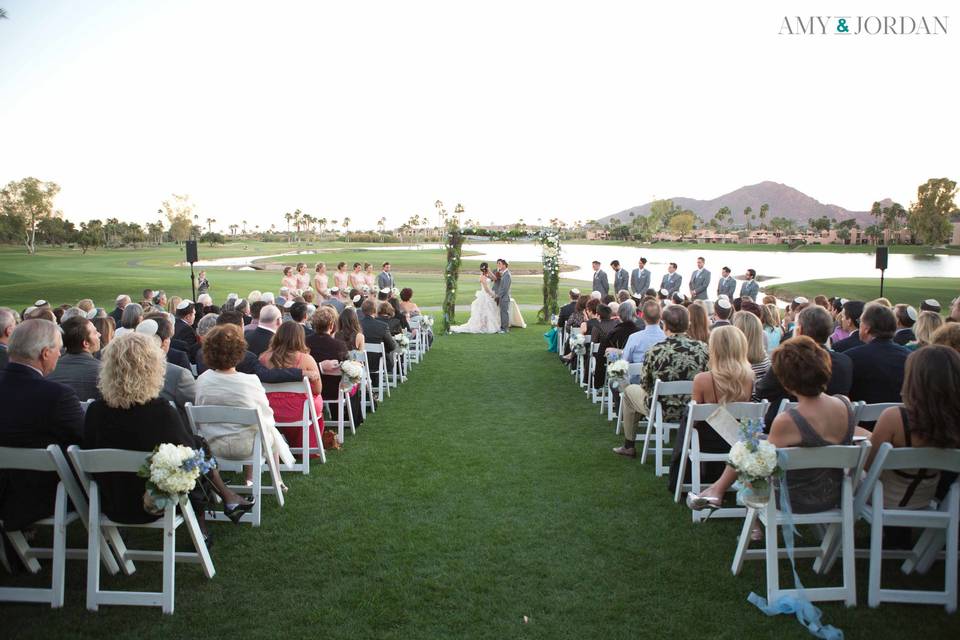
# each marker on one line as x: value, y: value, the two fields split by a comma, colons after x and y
x: 352, y: 372
x: 578, y: 344
x: 755, y: 460
x: 171, y: 472
x: 617, y: 372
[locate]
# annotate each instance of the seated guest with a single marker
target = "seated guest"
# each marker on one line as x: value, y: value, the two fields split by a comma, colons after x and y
x: 132, y: 315
x: 324, y: 347
x: 288, y: 349
x: 729, y: 378
x: 850, y: 322
x: 699, y: 328
x: 298, y: 313
x: 677, y: 358
x: 722, y: 310
x: 928, y: 418
x: 37, y: 412
x: 590, y: 319
x: 387, y: 314
x: 376, y: 332
x: 172, y: 303
x: 638, y: 343
x: 931, y: 304
x: 250, y: 364
x: 106, y: 329
x: 790, y: 317
x: 749, y: 324
x: 576, y: 318
x: 186, y: 319
x: 8, y: 322
x: 349, y: 330
x: 133, y: 416
x: 605, y: 324
x: 815, y: 323
x: 259, y: 339
x: 255, y: 309
x: 565, y: 310
x: 819, y: 420
x: 877, y: 364
x: 948, y: 335
x: 222, y: 385
x: 147, y: 298
x: 927, y: 323
x: 117, y: 313
x: 335, y: 300
x: 771, y: 326
x: 906, y: 317
x: 204, y: 326
x: 174, y: 356
x: 178, y: 384
x: 78, y: 369
x: 616, y: 339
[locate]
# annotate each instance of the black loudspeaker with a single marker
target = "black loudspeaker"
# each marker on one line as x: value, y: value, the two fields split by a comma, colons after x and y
x: 192, y: 251
x: 881, y: 257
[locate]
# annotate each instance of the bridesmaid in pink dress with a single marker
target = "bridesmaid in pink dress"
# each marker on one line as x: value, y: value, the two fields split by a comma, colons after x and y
x: 320, y: 282
x: 357, y: 281
x: 288, y: 280
x: 288, y: 349
x: 341, y: 279
x: 302, y: 277
x: 369, y: 278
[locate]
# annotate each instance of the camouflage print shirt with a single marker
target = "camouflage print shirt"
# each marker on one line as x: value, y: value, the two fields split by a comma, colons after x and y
x: 675, y: 359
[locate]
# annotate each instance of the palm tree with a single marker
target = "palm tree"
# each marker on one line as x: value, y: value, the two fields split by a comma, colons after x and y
x: 381, y: 223
x: 244, y: 227
x: 346, y: 228
x: 288, y: 217
x: 233, y: 229
x: 764, y: 210
x: 210, y: 222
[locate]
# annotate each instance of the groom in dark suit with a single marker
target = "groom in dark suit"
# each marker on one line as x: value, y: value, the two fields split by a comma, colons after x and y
x: 502, y: 292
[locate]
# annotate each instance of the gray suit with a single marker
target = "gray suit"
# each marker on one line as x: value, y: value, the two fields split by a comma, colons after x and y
x: 501, y: 289
x: 600, y: 282
x: 699, y: 282
x: 79, y: 371
x: 750, y: 288
x: 385, y: 280
x: 621, y: 281
x: 727, y: 286
x: 179, y: 388
x: 640, y: 281
x: 671, y: 282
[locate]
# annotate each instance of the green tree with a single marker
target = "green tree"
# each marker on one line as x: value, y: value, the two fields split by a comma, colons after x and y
x: 213, y: 238
x: 929, y: 218
x: 682, y: 224
x: 56, y: 231
x: 179, y: 213
x: 822, y: 223
x: 31, y: 200
x: 783, y: 225
x: 764, y: 210
x: 664, y: 210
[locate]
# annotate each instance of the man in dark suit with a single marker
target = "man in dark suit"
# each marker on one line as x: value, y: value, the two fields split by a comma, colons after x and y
x: 259, y: 339
x: 183, y: 330
x: 122, y: 301
x: 8, y: 322
x: 850, y: 321
x: 906, y: 317
x: 567, y: 310
x: 879, y: 363
x: 77, y: 368
x: 298, y: 313
x: 376, y: 331
x: 815, y: 323
x: 36, y: 413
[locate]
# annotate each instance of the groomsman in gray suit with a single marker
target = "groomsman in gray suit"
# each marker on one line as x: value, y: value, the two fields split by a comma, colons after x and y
x: 501, y: 289
x: 699, y: 281
x: 727, y: 285
x: 600, y: 282
x: 385, y: 279
x: 750, y: 287
x: 640, y: 279
x: 672, y: 280
x: 621, y: 281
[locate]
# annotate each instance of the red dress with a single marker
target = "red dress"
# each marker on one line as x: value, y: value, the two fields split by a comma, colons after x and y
x: 288, y: 407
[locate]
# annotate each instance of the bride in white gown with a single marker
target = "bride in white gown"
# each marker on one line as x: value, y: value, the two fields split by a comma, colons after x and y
x: 484, y: 312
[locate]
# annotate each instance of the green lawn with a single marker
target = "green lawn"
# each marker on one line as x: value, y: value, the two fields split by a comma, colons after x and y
x: 483, y: 491
x: 64, y: 276
x: 905, y: 290
x: 808, y: 248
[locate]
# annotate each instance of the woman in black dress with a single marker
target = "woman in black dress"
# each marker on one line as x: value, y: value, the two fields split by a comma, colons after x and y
x: 325, y: 346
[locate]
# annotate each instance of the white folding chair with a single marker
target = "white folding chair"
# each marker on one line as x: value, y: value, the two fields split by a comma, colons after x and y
x: 366, y: 385
x: 308, y: 422
x: 871, y: 412
x: 95, y: 461
x: 581, y: 366
x: 49, y: 460
x: 845, y: 458
x: 261, y: 454
x: 657, y: 427
x: 342, y: 403
x: 690, y: 450
x: 383, y: 385
x: 416, y: 347
x: 396, y: 367
x: 635, y: 369
x: 591, y: 373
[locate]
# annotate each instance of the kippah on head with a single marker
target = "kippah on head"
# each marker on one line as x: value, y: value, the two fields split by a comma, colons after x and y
x: 930, y: 305
x: 723, y: 303
x: 148, y: 328
x: 184, y: 304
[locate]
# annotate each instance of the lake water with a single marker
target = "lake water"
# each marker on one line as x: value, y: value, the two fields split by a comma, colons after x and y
x: 773, y: 266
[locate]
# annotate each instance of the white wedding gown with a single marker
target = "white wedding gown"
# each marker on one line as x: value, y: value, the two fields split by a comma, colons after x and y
x: 484, y: 313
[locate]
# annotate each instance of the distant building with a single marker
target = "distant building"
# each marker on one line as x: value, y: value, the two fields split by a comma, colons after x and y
x: 597, y: 234
x: 956, y: 233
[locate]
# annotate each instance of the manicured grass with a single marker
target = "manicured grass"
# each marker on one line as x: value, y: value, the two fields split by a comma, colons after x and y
x: 483, y: 491
x: 897, y: 290
x: 63, y: 276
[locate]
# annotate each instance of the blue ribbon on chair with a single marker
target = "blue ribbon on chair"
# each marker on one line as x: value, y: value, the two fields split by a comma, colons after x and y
x: 551, y: 338
x: 808, y: 615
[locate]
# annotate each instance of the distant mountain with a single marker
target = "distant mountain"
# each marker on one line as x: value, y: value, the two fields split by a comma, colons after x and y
x: 784, y: 201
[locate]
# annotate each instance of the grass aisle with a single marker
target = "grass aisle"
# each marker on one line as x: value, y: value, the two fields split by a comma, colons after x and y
x: 482, y: 492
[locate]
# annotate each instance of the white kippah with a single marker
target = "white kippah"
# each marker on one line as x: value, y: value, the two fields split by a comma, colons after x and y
x: 723, y: 303
x: 39, y: 303
x: 288, y: 304
x: 801, y: 300
x: 575, y: 292
x: 723, y: 296
x: 90, y: 315
x: 664, y: 292
x: 148, y: 328
x: 356, y: 298
x: 184, y: 304
x: 365, y: 288
x: 912, y: 313
x: 385, y: 291
x: 232, y: 296
x: 931, y: 302
x: 334, y: 289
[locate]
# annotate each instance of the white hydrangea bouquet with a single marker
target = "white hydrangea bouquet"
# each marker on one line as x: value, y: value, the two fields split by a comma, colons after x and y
x: 617, y: 372
x: 755, y: 460
x: 427, y: 321
x: 578, y: 344
x: 402, y: 340
x: 171, y: 471
x: 352, y: 372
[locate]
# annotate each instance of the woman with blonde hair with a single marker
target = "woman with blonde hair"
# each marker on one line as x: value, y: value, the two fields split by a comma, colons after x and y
x: 750, y: 325
x: 86, y: 305
x: 927, y: 323
x: 699, y: 328
x: 371, y: 280
x: 728, y: 378
x: 132, y: 415
x: 771, y: 326
x: 341, y: 279
x: 173, y: 303
x: 321, y: 283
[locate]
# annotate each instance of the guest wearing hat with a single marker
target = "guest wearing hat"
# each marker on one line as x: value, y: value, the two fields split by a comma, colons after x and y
x: 850, y: 321
x: 334, y: 300
x: 600, y: 282
x: 722, y: 311
x: 184, y: 332
x: 796, y: 306
x: 640, y: 279
x: 906, y: 317
x: 930, y: 305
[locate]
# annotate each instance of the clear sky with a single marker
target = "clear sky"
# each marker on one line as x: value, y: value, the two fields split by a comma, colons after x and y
x: 518, y: 109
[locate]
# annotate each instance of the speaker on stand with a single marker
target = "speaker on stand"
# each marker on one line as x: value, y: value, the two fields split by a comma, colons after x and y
x: 882, y: 256
x: 191, y: 258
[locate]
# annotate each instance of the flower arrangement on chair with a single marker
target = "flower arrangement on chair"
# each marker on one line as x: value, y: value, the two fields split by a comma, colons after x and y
x: 172, y: 472
x: 617, y: 372
x: 578, y: 344
x: 352, y: 372
x: 755, y: 460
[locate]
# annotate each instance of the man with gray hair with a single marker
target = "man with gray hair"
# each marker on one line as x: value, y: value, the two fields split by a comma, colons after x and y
x: 36, y: 413
x: 616, y: 339
x: 259, y: 339
x: 72, y: 312
x: 122, y: 301
x: 8, y: 321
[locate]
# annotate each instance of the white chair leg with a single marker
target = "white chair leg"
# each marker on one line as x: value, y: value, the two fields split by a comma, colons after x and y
x: 773, y: 560
x: 744, y: 542
x: 169, y: 558
x: 876, y: 557
x: 340, y: 417
x: 22, y: 547
x: 59, y: 547
x: 646, y: 438
x: 353, y: 426
x: 849, y: 550
x: 93, y: 549
x: 196, y: 536
x: 682, y: 473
